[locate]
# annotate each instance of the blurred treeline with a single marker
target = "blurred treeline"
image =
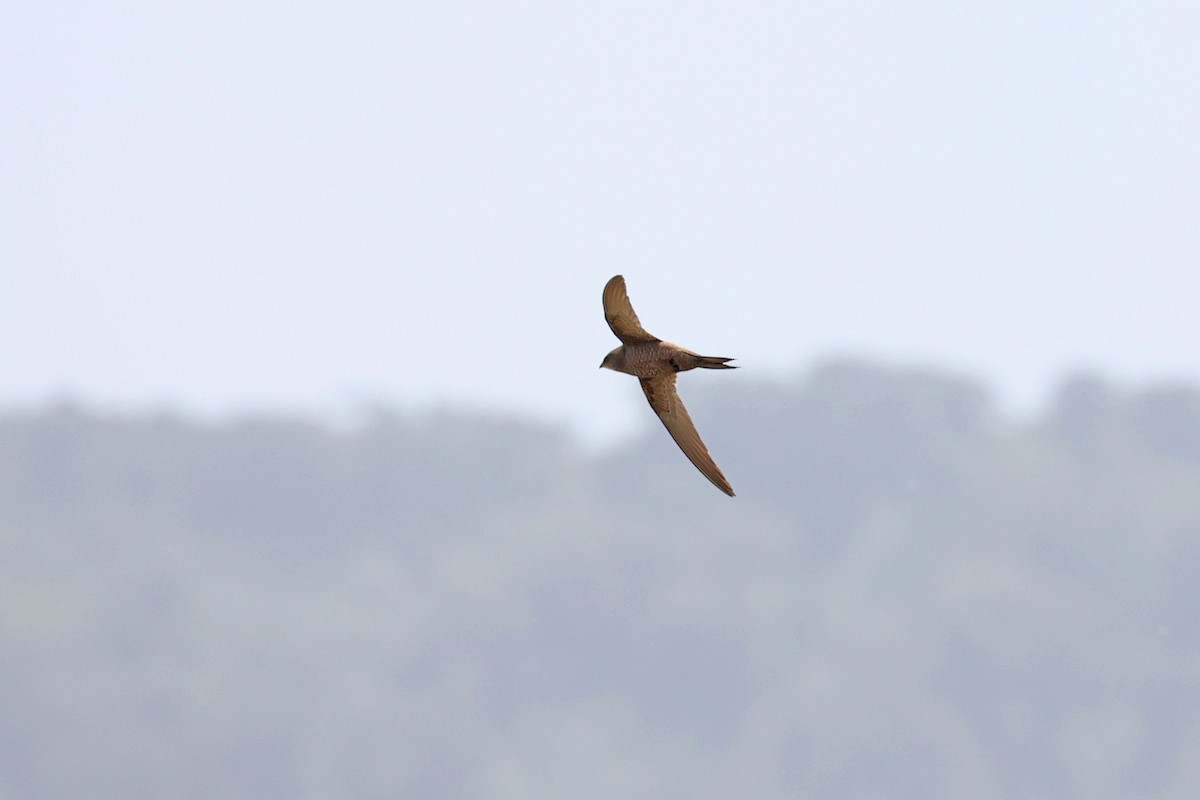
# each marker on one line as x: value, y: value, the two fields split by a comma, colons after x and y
x: 911, y: 597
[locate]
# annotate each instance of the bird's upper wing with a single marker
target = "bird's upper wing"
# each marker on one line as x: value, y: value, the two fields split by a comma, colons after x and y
x: 664, y: 399
x: 618, y: 313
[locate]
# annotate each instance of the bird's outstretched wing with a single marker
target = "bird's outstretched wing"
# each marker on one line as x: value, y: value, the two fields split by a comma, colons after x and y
x: 664, y: 399
x: 618, y: 313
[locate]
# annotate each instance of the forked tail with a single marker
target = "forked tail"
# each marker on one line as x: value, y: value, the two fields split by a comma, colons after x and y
x: 713, y: 362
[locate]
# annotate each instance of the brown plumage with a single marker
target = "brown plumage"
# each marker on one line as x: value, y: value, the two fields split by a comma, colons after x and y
x: 655, y: 363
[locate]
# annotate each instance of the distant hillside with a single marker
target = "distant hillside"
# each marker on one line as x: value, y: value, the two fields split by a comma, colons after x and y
x: 910, y: 597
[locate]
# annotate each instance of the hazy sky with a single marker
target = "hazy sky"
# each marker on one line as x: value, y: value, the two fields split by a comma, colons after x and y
x: 229, y: 205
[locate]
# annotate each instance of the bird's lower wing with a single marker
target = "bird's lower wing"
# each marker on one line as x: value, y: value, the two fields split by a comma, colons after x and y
x: 618, y: 313
x: 664, y: 399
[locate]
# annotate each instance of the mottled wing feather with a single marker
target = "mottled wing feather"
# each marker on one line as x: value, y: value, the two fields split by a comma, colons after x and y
x: 664, y: 399
x: 618, y: 312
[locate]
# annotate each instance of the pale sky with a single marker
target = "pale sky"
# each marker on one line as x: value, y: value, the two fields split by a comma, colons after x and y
x: 229, y: 206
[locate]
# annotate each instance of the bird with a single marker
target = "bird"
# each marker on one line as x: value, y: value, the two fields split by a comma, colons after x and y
x: 655, y: 363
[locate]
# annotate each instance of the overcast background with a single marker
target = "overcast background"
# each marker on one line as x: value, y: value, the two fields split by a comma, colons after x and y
x: 280, y: 206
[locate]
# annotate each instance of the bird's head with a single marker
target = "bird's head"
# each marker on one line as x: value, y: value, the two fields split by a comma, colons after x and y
x: 612, y: 360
